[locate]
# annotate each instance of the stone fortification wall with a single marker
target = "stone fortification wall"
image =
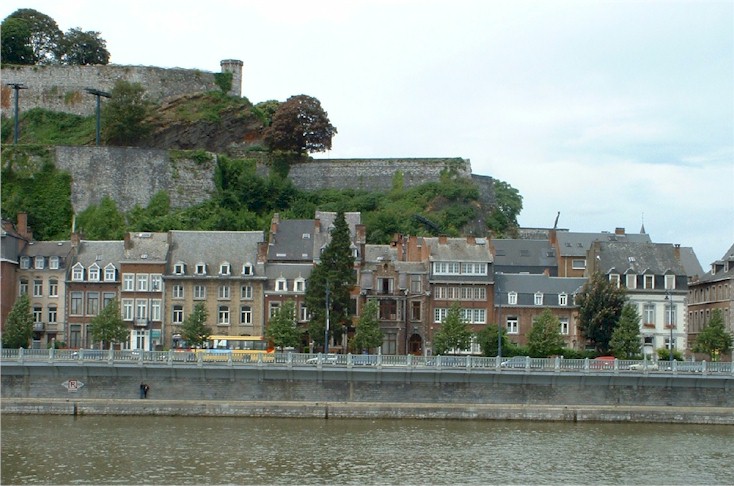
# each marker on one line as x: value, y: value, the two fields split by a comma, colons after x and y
x: 62, y: 88
x: 370, y: 174
x: 132, y: 176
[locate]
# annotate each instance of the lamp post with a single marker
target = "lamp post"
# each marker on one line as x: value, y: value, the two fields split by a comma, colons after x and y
x: 16, y: 87
x: 98, y: 94
x: 499, y: 321
x: 326, y: 330
x: 669, y: 299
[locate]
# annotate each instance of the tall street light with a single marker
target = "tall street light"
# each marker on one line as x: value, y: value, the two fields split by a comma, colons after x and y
x: 98, y: 94
x: 326, y: 329
x: 499, y: 319
x: 669, y: 299
x: 16, y: 87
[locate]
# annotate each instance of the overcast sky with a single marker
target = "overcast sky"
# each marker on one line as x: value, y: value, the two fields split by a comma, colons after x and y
x: 612, y: 113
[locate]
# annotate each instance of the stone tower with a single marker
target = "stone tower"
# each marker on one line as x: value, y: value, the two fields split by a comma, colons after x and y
x: 233, y: 66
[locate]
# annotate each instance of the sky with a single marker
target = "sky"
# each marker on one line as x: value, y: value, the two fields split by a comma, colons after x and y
x: 613, y: 113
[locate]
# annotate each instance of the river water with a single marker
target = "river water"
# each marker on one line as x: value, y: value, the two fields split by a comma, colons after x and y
x: 218, y: 450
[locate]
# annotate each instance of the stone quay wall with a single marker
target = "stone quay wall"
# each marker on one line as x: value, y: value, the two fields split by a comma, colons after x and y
x: 373, y: 391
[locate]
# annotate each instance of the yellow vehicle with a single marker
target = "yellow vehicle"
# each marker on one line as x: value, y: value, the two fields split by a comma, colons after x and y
x: 239, y: 348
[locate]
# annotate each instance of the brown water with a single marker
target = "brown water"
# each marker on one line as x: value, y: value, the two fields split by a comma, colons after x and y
x: 185, y: 450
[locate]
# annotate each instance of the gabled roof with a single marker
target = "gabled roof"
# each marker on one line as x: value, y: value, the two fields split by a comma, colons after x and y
x: 577, y: 244
x: 146, y: 247
x: 47, y: 248
x: 722, y: 269
x: 294, y: 241
x: 526, y: 285
x: 458, y: 250
x: 100, y: 252
x: 322, y: 234
x: 523, y: 254
x: 214, y: 248
x: 635, y: 257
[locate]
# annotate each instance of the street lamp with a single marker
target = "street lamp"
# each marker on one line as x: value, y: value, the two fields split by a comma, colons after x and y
x: 16, y: 87
x: 669, y: 299
x: 499, y: 321
x: 326, y: 330
x: 97, y: 93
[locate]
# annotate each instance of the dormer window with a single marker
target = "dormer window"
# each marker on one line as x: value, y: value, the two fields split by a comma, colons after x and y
x: 94, y: 273
x: 38, y: 263
x: 53, y: 263
x: 25, y: 262
x: 649, y: 281
x: 563, y: 299
x: 224, y: 268
x: 110, y: 273
x: 281, y: 285
x: 614, y: 279
x: 200, y: 269
x: 631, y: 281
x: 670, y: 282
x: 512, y: 298
x: 77, y: 273
x: 247, y: 269
x: 538, y: 298
x: 299, y: 284
x: 179, y: 268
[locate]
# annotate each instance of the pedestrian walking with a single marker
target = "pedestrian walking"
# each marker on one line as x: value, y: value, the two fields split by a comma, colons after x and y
x: 145, y: 390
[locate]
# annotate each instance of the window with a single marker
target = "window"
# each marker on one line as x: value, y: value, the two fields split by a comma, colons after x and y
x: 25, y: 262
x: 179, y: 269
x: 439, y: 315
x: 199, y: 292
x: 299, y: 285
x: 156, y: 282
x: 564, y: 326
x: 53, y: 288
x: 384, y: 285
x: 415, y: 313
x: 415, y: 285
x: 474, y: 268
x: 75, y: 309
x: 38, y: 288
x: 281, y: 285
x: 52, y: 314
x: 107, y: 297
x: 578, y: 263
x: 649, y: 281
x: 446, y: 268
x: 92, y: 303
x: 512, y: 298
x: 223, y: 315
x: 473, y: 316
x: 177, y: 314
x: 38, y: 263
x: 563, y: 299
x: 37, y: 313
x: 128, y: 282
x: 538, y: 298
x: 670, y: 313
x: 303, y: 312
x: 224, y: 292
x: 110, y: 272
x: 648, y: 314
x: 668, y: 343
x: 53, y: 263
x: 246, y: 292
x: 670, y: 282
x: 512, y: 325
x: 77, y: 273
x: 155, y: 310
x: 614, y: 279
x: 245, y: 314
x: 178, y: 292
x: 390, y: 343
x: 23, y: 287
x: 631, y: 280
x: 142, y: 280
x: 225, y: 268
x: 247, y: 269
x: 141, y: 309
x: 94, y: 273
x: 274, y: 307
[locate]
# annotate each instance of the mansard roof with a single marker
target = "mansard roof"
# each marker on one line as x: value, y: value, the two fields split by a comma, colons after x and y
x: 214, y: 248
x: 458, y: 249
x: 519, y: 255
x: 100, y: 252
x: 146, y: 247
x: 526, y: 285
x: 636, y: 257
x: 293, y: 241
x: 722, y: 269
x: 577, y: 244
x: 47, y: 248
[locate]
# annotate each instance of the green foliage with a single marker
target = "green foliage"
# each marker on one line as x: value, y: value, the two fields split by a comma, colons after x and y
x: 301, y: 126
x: 626, y: 341
x: 334, y: 271
x: 453, y: 333
x: 224, y: 81
x: 123, y: 115
x: 282, y: 328
x: 502, y: 220
x: 53, y: 128
x: 368, y: 334
x: 487, y: 339
x: 544, y: 338
x: 664, y: 355
x: 194, y: 329
x: 18, y: 329
x: 265, y: 111
x: 84, y: 48
x: 107, y: 326
x: 15, y: 45
x: 600, y: 307
x: 714, y: 340
x: 102, y: 221
x: 34, y: 38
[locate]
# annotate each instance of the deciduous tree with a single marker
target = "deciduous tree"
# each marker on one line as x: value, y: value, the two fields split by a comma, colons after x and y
x: 368, y: 334
x: 453, y: 334
x: 34, y: 33
x: 544, y: 338
x: 108, y: 326
x: 600, y: 307
x: 84, y: 48
x: 123, y: 115
x: 18, y: 329
x: 714, y: 340
x: 487, y: 339
x: 282, y: 328
x: 626, y: 341
x: 300, y: 125
x: 194, y: 329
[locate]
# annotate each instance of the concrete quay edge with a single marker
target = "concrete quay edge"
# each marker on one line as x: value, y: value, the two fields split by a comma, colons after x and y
x: 364, y: 410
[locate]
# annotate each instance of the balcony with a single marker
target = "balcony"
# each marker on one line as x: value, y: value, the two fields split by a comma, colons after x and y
x: 38, y: 326
x: 141, y: 322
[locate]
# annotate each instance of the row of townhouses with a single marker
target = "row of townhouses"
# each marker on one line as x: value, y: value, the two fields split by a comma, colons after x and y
x: 243, y: 277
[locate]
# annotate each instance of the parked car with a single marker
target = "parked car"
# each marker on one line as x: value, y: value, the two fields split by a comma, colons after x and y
x: 328, y: 359
x: 645, y: 365
x: 602, y: 363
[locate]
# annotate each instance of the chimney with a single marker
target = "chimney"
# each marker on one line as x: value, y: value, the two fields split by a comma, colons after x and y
x: 676, y: 251
x: 22, y: 226
x: 274, y: 223
x: 552, y: 237
x: 75, y: 240
x: 442, y: 239
x: 128, y: 241
x: 619, y: 231
x: 471, y: 240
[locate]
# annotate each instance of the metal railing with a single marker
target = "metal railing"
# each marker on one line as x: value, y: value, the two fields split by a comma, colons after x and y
x: 469, y: 363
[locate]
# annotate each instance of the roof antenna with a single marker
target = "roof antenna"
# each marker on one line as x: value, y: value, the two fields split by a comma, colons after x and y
x: 555, y: 225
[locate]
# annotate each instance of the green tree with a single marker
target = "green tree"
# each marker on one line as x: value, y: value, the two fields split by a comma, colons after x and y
x: 502, y: 220
x: 714, y: 340
x: 368, y: 334
x: 487, y: 339
x: 194, y: 329
x: 300, y: 125
x: 335, y: 272
x: 18, y: 330
x: 453, y: 333
x: 626, y: 341
x: 102, y: 222
x: 544, y: 338
x: 600, y: 307
x: 123, y: 115
x: 282, y: 328
x: 108, y: 326
x: 35, y: 33
x: 84, y: 48
x: 15, y: 45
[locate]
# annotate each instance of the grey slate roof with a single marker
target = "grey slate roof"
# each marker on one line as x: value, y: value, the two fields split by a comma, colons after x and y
x: 722, y: 269
x: 638, y: 258
x: 690, y: 262
x: 519, y: 255
x: 147, y: 247
x: 214, y: 248
x: 290, y: 243
x: 326, y: 219
x: 458, y: 250
x: 101, y: 252
x: 526, y: 285
x: 47, y: 248
x: 577, y: 244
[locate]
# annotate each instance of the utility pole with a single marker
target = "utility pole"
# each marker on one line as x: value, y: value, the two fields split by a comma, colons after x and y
x: 16, y: 87
x: 98, y: 94
x: 326, y: 330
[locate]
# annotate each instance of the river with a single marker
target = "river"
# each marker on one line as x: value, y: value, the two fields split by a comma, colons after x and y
x: 38, y: 449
